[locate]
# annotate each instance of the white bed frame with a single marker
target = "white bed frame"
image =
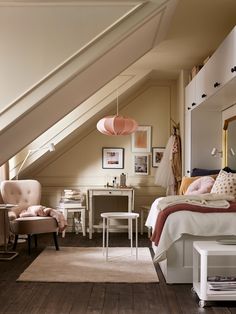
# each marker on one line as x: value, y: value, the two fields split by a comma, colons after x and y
x: 177, y: 267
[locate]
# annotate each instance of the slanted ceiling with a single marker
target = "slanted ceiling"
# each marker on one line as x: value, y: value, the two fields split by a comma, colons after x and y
x: 133, y: 32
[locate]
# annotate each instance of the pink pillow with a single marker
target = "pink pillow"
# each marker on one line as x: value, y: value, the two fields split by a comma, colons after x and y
x: 200, y: 186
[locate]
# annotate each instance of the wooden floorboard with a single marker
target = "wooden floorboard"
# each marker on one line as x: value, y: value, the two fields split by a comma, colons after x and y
x: 96, y: 298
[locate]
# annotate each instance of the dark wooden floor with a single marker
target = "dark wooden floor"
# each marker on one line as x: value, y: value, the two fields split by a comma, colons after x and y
x: 109, y: 298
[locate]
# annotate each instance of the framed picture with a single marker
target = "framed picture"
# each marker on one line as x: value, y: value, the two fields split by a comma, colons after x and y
x: 141, y: 164
x: 112, y: 158
x: 141, y: 140
x: 157, y: 154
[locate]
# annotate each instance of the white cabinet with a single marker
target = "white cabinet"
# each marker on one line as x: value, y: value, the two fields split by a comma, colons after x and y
x: 187, y: 141
x: 211, y: 91
x: 216, y: 73
x: 190, y: 95
x: 224, y: 60
x: 203, y: 85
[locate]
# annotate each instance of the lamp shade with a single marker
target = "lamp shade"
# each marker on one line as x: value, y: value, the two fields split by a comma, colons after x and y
x: 116, y: 125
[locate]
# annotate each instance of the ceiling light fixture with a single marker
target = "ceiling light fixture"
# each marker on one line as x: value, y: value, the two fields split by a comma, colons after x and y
x: 116, y: 124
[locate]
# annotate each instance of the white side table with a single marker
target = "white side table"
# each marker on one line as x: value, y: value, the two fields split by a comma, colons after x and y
x: 203, y: 249
x: 120, y: 215
x: 74, y: 208
x: 144, y: 208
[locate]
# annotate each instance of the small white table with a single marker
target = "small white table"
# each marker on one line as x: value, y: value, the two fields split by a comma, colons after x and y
x: 205, y: 249
x: 74, y: 208
x: 120, y: 215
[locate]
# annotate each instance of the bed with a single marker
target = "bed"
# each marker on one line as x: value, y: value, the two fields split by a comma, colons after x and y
x: 173, y: 252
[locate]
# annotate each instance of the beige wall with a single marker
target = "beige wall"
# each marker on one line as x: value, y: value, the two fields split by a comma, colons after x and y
x: 81, y: 165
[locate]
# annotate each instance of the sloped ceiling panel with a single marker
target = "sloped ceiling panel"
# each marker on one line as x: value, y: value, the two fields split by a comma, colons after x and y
x: 80, y: 77
x: 36, y: 38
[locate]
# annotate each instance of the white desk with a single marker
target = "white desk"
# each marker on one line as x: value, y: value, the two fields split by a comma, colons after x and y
x: 200, y: 284
x: 129, y: 192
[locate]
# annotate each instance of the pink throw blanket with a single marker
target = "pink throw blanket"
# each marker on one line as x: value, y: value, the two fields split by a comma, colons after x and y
x: 39, y: 210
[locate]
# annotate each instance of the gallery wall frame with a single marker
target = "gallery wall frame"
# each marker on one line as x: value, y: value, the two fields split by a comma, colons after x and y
x: 113, y: 157
x: 141, y: 164
x: 157, y: 154
x: 141, y: 139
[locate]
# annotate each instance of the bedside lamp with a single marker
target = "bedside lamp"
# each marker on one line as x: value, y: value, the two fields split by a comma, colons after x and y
x: 49, y: 147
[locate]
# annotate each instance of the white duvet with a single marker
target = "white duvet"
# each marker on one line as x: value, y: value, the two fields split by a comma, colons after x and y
x: 187, y: 222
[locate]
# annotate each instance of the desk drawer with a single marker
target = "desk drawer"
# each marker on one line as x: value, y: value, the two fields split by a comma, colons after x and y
x: 111, y: 192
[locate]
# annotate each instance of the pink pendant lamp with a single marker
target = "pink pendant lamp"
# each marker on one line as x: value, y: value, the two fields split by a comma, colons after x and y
x: 116, y: 124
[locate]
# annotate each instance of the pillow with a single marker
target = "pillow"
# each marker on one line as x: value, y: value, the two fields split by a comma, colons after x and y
x: 227, y: 169
x: 203, y: 172
x: 201, y: 185
x: 225, y: 183
x: 186, y: 181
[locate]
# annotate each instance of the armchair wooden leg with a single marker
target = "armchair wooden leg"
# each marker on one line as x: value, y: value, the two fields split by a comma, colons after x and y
x: 55, y: 240
x: 15, y: 242
x: 29, y: 243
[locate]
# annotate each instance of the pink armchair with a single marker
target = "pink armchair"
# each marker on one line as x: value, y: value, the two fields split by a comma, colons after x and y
x: 25, y: 193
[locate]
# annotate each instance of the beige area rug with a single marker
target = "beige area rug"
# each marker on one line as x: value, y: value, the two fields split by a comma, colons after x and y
x: 80, y: 264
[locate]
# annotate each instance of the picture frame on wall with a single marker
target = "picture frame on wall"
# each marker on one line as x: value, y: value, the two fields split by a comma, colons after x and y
x: 112, y: 158
x: 141, y: 140
x: 157, y: 154
x: 141, y: 164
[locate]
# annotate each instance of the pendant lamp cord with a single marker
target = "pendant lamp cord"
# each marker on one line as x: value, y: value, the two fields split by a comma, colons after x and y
x: 117, y: 103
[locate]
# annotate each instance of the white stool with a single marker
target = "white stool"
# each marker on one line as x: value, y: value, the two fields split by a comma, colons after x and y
x: 145, y: 208
x: 74, y: 208
x: 120, y: 215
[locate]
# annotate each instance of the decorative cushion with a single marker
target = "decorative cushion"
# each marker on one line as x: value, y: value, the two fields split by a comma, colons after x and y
x: 196, y: 172
x: 186, y: 181
x: 201, y: 185
x: 225, y: 183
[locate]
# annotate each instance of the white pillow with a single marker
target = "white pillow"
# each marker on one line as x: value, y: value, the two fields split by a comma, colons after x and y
x: 225, y: 183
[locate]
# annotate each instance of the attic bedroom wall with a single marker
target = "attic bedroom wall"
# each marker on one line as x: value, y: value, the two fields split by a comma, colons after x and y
x: 80, y: 166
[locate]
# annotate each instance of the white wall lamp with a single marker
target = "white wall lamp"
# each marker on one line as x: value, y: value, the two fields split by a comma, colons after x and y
x: 49, y: 147
x: 216, y: 152
x: 232, y: 152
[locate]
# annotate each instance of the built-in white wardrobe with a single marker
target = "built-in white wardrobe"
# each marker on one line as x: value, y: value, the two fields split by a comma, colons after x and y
x: 210, y: 92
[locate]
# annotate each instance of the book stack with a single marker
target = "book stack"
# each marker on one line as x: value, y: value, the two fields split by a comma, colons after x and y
x: 222, y: 284
x: 72, y: 197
